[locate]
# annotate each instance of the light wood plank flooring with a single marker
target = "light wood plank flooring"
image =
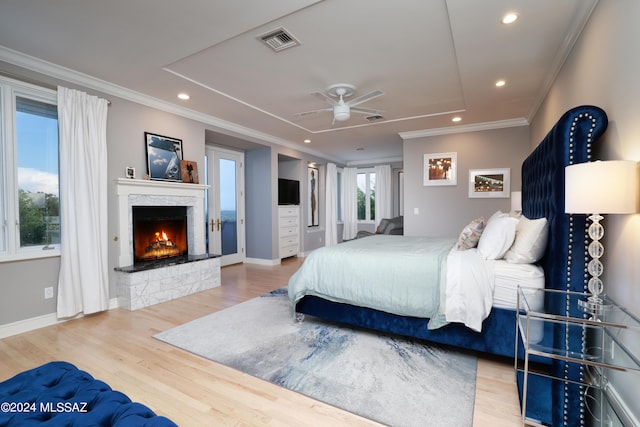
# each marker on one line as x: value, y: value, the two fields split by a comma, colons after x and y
x: 117, y: 347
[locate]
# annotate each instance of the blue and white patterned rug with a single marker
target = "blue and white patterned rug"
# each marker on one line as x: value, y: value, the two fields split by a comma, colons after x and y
x: 391, y: 380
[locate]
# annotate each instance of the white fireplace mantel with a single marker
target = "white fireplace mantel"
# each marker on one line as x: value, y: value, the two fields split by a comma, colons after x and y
x: 138, y: 192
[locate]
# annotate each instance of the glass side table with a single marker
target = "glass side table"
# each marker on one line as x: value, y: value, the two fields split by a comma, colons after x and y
x: 603, y: 342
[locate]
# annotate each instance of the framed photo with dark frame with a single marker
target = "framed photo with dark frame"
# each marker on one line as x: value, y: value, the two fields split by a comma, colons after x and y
x: 163, y: 157
x: 489, y: 183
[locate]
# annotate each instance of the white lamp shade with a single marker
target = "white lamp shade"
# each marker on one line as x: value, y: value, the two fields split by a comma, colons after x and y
x: 601, y: 187
x: 516, y: 201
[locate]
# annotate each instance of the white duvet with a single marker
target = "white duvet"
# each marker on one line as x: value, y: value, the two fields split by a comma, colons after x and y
x: 401, y: 275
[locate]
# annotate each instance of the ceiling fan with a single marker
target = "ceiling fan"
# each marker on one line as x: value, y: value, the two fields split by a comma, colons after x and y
x: 342, y: 109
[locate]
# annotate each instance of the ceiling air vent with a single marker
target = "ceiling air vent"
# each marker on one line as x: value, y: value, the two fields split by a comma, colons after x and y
x: 279, y: 39
x: 374, y: 118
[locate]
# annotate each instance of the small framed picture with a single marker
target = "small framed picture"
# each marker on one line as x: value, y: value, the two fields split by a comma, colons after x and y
x: 440, y: 169
x: 189, y: 171
x: 489, y: 183
x: 130, y: 172
x: 163, y: 157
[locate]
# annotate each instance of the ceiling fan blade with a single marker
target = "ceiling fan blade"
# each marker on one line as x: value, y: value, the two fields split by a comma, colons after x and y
x: 308, y: 113
x: 324, y: 97
x: 359, y: 100
x: 365, y: 110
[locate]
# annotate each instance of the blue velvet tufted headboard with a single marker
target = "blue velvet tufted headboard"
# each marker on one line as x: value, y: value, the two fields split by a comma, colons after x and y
x: 570, y: 141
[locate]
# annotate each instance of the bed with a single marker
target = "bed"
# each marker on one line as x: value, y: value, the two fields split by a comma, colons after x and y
x: 571, y: 140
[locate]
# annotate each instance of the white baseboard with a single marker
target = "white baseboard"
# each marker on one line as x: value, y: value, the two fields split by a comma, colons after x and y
x: 261, y: 261
x: 27, y: 325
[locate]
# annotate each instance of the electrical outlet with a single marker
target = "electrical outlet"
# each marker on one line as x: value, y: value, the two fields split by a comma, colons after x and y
x: 48, y: 292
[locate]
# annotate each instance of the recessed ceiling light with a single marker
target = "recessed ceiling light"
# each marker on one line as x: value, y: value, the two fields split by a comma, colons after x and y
x: 307, y: 141
x: 500, y: 83
x: 184, y: 96
x: 510, y: 18
x: 456, y: 119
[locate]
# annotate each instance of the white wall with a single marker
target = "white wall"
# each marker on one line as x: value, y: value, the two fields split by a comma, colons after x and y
x: 604, y: 70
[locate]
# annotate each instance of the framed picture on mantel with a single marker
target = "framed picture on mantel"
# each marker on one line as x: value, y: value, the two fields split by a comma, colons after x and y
x: 163, y: 157
x: 189, y: 170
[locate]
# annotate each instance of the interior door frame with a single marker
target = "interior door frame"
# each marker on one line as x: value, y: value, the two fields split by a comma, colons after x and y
x: 214, y: 153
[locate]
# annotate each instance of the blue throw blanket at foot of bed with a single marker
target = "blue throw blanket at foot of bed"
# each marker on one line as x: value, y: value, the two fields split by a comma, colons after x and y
x: 59, y: 394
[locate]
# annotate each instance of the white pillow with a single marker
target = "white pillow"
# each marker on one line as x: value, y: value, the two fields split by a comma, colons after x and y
x: 498, y: 236
x: 470, y: 234
x: 530, y: 242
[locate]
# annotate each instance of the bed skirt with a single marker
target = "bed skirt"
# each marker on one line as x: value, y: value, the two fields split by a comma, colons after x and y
x: 497, y: 337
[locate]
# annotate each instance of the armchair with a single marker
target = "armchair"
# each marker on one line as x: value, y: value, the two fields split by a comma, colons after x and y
x: 386, y: 226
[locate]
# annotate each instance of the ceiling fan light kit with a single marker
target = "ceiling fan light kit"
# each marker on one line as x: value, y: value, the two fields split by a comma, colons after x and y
x: 341, y: 112
x: 341, y: 109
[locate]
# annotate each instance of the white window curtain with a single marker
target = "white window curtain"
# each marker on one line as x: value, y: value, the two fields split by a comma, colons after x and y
x: 331, y: 206
x: 349, y: 203
x: 383, y: 192
x: 83, y: 284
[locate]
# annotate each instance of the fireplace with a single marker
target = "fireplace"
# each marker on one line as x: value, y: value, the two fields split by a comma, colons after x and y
x: 159, y: 233
x: 144, y: 283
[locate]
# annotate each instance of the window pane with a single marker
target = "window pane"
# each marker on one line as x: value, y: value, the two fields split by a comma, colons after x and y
x: 362, y: 193
x: 37, y: 146
x: 372, y: 195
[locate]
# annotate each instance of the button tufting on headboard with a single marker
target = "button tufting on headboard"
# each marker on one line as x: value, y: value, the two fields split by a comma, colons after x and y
x: 570, y: 141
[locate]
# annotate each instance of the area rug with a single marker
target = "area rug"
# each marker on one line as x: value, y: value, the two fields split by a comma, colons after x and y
x: 391, y: 380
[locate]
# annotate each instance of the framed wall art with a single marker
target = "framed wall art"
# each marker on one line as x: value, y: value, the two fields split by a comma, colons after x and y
x: 189, y: 170
x: 440, y: 169
x: 163, y: 157
x: 489, y: 183
x: 313, y: 180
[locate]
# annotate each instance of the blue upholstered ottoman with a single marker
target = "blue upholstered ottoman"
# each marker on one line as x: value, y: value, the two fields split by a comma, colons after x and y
x: 59, y: 394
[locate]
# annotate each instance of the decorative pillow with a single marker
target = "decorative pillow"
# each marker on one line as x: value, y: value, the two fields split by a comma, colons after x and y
x: 498, y: 236
x: 530, y: 242
x: 470, y: 234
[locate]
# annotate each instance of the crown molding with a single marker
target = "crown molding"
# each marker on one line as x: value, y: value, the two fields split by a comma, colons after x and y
x: 499, y: 124
x: 50, y: 69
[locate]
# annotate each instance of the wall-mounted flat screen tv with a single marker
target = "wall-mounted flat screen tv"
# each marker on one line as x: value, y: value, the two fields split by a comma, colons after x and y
x: 288, y: 192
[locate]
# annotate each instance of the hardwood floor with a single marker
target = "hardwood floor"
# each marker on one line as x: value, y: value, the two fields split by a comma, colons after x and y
x: 117, y: 347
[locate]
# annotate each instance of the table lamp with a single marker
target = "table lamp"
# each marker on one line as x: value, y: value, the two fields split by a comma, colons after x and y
x: 595, y: 188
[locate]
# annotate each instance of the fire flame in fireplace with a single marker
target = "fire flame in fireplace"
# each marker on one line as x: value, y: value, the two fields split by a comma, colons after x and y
x: 161, y: 247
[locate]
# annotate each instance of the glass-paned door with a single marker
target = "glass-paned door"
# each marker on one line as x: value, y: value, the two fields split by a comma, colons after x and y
x: 225, y: 204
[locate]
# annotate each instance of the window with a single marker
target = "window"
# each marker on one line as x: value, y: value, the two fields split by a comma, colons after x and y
x: 366, y: 195
x: 29, y: 164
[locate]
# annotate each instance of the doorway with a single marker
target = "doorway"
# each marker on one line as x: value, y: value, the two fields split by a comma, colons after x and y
x: 225, y: 204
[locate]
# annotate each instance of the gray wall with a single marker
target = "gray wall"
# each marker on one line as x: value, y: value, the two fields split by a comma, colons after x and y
x: 443, y: 211
x: 258, y: 203
x: 22, y: 288
x: 603, y: 70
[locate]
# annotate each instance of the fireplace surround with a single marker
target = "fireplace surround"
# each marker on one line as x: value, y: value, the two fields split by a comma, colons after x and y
x: 147, y: 283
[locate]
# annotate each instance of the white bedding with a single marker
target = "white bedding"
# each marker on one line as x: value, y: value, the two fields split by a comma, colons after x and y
x: 413, y: 276
x: 509, y: 276
x: 395, y: 274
